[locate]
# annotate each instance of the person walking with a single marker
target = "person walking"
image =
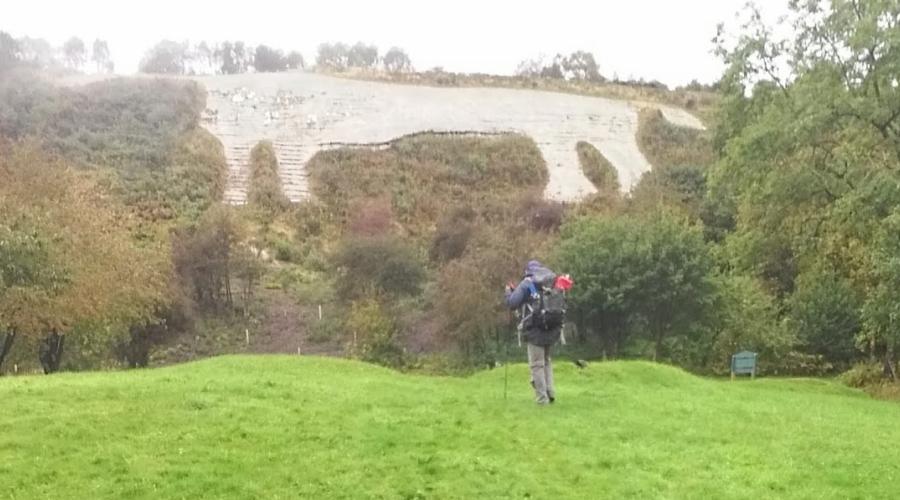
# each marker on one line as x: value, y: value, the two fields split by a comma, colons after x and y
x: 541, y: 317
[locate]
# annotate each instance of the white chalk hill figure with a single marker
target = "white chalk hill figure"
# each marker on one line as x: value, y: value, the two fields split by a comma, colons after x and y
x: 303, y: 113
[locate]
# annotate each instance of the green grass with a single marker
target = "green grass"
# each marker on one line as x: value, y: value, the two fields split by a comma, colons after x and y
x: 298, y: 427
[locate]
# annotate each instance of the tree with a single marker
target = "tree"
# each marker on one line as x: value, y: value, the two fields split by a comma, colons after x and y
x: 269, y: 60
x: 203, y: 255
x: 580, y: 65
x: 226, y: 55
x: 9, y: 51
x: 295, y: 60
x: 75, y: 52
x: 397, y: 61
x: 383, y: 265
x: 363, y: 56
x: 636, y: 275
x: 809, y: 139
x: 824, y: 313
x: 67, y: 255
x: 166, y: 57
x: 241, y: 56
x: 333, y: 56
x: 100, y: 55
x: 37, y: 52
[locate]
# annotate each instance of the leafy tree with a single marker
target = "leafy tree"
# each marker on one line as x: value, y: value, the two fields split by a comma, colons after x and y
x: 37, y: 52
x: 580, y: 65
x: 203, y: 256
x: 335, y: 56
x: 75, y: 52
x: 397, y: 61
x: 295, y: 60
x: 824, y: 311
x: 166, y: 57
x: 636, y: 274
x: 379, y: 265
x: 227, y: 56
x: 100, y: 55
x: 363, y: 56
x: 268, y: 60
x: 9, y: 51
x: 810, y: 142
x: 67, y: 255
x: 241, y: 56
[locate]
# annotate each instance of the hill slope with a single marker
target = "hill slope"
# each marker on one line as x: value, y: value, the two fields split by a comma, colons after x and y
x: 288, y: 427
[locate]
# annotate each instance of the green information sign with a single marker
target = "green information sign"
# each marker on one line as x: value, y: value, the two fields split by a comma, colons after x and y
x: 743, y: 363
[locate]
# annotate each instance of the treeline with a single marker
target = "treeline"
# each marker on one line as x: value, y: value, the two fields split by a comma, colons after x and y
x: 579, y: 65
x: 38, y: 53
x: 780, y: 237
x: 229, y: 57
x: 341, y: 57
x: 232, y: 57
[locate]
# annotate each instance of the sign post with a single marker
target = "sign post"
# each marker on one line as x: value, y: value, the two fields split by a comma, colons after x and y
x: 743, y: 363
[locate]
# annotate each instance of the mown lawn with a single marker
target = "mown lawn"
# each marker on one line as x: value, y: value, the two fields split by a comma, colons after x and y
x: 301, y: 427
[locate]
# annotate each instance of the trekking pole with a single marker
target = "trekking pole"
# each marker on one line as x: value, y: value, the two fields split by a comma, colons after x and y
x: 506, y: 358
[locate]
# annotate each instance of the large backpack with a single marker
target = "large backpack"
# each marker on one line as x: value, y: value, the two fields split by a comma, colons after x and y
x: 548, y: 307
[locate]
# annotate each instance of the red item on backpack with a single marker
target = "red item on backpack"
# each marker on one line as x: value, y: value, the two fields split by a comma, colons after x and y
x: 563, y: 282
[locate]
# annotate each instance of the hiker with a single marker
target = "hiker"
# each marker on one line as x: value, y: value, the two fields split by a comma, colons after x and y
x: 541, y: 326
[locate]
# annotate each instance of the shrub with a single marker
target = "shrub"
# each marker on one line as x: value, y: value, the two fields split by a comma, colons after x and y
x: 377, y: 265
x: 540, y: 214
x: 452, y: 235
x: 371, y: 217
x: 375, y: 334
x: 864, y: 375
x: 265, y: 184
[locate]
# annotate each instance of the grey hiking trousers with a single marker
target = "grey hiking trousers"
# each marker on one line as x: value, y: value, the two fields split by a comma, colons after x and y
x: 541, y: 373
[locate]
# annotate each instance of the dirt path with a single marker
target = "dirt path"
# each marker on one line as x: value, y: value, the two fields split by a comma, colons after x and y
x: 304, y: 112
x: 285, y: 327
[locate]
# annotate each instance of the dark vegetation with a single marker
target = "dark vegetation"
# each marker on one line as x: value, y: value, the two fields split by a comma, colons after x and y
x: 597, y: 168
x: 265, y: 185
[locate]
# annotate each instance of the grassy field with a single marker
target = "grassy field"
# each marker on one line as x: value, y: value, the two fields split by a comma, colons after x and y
x: 301, y: 427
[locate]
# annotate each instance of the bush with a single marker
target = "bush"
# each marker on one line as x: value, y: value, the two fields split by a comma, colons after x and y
x: 371, y: 217
x: 380, y: 265
x: 864, y: 375
x: 540, y: 214
x: 452, y: 235
x: 265, y: 184
x: 375, y: 334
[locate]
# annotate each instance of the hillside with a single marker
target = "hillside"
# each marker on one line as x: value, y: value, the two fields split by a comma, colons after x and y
x: 289, y: 427
x: 303, y: 113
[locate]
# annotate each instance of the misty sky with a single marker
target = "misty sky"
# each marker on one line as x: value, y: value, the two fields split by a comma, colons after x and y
x: 654, y: 39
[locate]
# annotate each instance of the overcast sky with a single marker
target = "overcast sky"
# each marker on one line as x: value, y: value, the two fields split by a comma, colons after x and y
x: 664, y: 40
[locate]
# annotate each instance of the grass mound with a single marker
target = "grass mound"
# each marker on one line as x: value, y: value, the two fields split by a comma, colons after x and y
x: 297, y: 427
